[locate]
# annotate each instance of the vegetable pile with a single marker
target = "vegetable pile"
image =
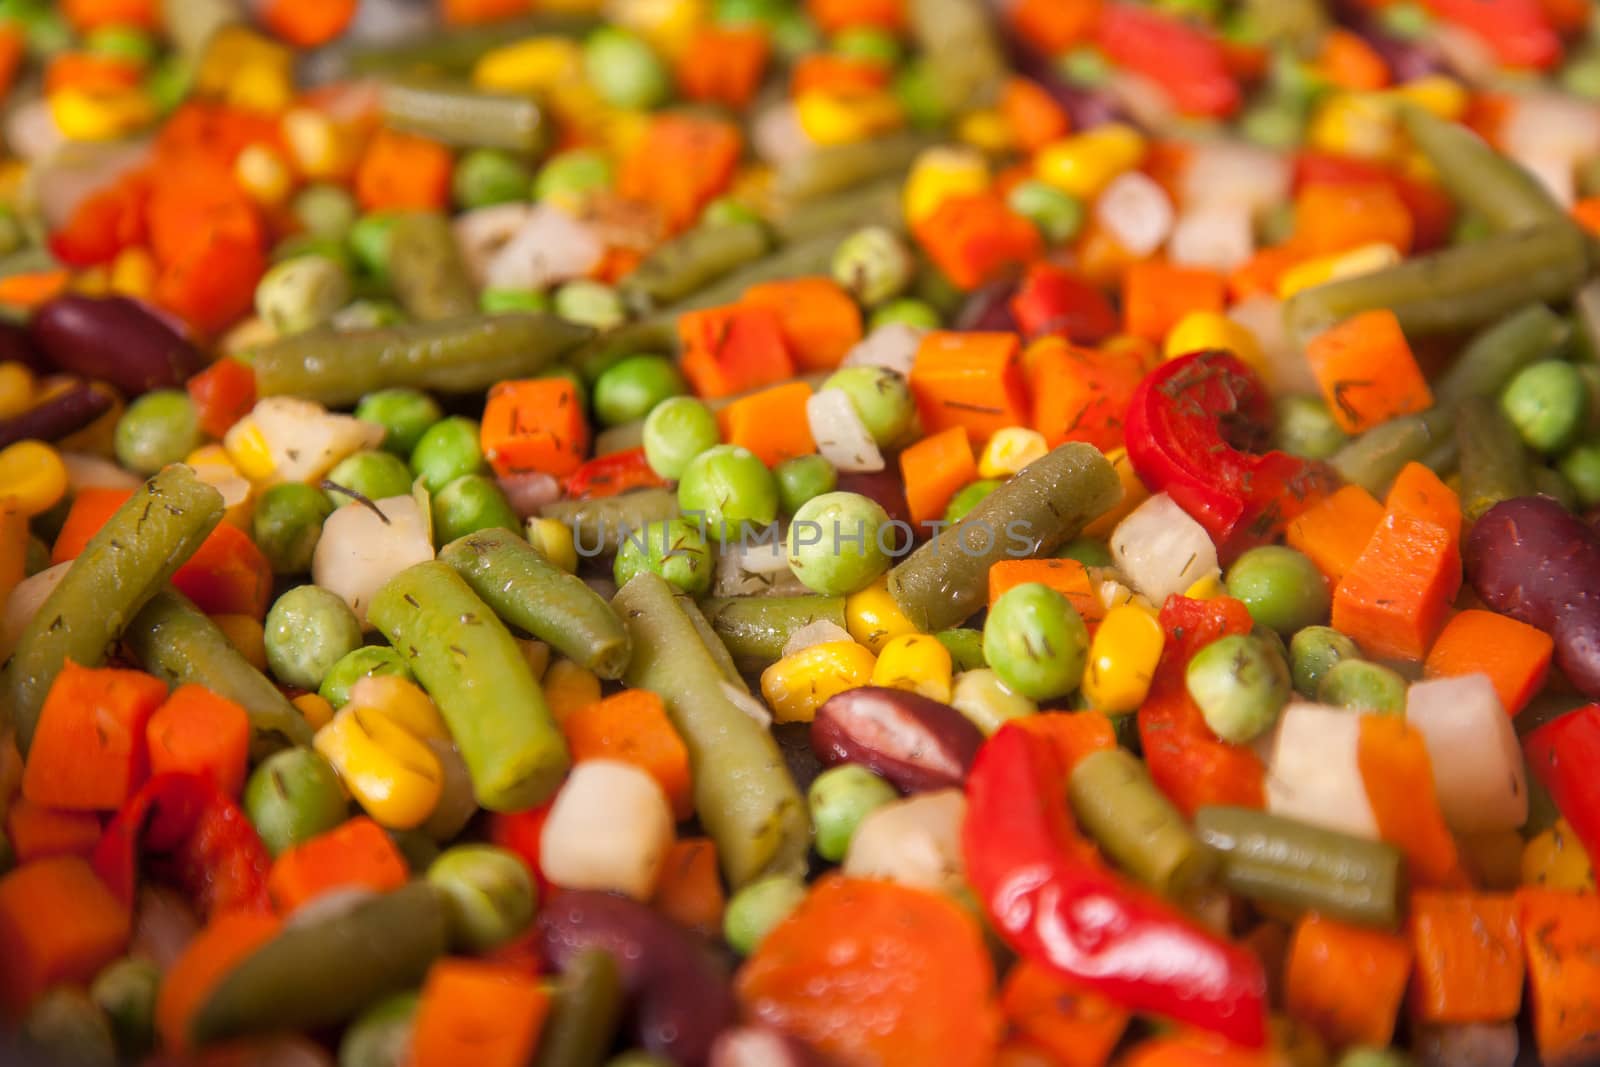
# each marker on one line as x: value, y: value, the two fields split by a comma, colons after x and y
x: 800, y: 533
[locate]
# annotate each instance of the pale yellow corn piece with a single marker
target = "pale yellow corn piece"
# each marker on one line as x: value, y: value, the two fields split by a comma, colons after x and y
x: 568, y: 687
x: 831, y: 118
x: 1556, y: 859
x: 917, y: 663
x: 216, y: 468
x: 796, y: 686
x: 534, y: 65
x: 1085, y: 163
x: 403, y: 701
x: 1336, y: 267
x: 32, y: 477
x: 1200, y: 330
x: 247, y: 447
x: 553, y: 539
x: 391, y: 772
x: 873, y: 618
x: 82, y: 115
x: 986, y: 130
x: 1122, y: 660
x: 669, y: 25
x: 1357, y: 124
x: 263, y: 174
x: 133, y: 273
x: 316, y: 709
x: 1208, y: 588
x: 17, y: 387
x: 939, y: 174
x: 1439, y: 94
x: 981, y: 696
x: 1009, y: 450
x: 318, y: 146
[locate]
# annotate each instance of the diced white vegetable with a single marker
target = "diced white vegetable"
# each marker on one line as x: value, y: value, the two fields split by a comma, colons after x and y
x: 32, y: 134
x: 302, y: 440
x: 1477, y: 763
x: 1136, y: 211
x: 756, y: 1046
x: 1466, y: 1045
x: 821, y: 632
x: 1549, y: 134
x: 1285, y: 368
x: 1235, y: 174
x: 839, y: 433
x: 360, y: 548
x: 892, y: 347
x: 1219, y: 237
x: 756, y: 566
x: 988, y: 702
x: 778, y: 137
x: 86, y: 471
x: 1312, y: 771
x: 609, y: 828
x: 1160, y: 550
x: 24, y: 603
x: 234, y: 487
x: 915, y: 842
x: 481, y: 234
x: 1557, y: 174
x: 550, y: 246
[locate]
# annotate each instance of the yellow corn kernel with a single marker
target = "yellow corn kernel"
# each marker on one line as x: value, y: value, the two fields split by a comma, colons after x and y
x: 1086, y: 163
x: 390, y: 771
x: 940, y: 173
x: 14, y: 176
x: 534, y: 65
x: 315, y: 709
x: 873, y: 618
x: 213, y: 466
x: 1113, y: 595
x: 245, y: 634
x: 32, y: 476
x: 917, y: 663
x: 667, y: 24
x: 1356, y: 124
x: 981, y: 696
x: 96, y: 281
x: 1335, y: 267
x: 537, y: 653
x: 318, y: 146
x: 986, y: 130
x: 1208, y: 588
x: 403, y: 701
x: 1212, y: 329
x: 1009, y: 450
x: 1556, y: 859
x: 830, y: 118
x: 16, y: 389
x: 568, y: 687
x: 553, y: 539
x: 133, y: 273
x: 247, y: 447
x: 796, y: 686
x: 1438, y: 94
x: 1122, y: 660
x: 1133, y: 494
x: 263, y: 175
x: 82, y: 115
x: 262, y: 86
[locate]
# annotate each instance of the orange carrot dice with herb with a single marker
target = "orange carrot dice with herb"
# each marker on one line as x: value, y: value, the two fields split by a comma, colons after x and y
x: 536, y: 424
x: 1561, y: 943
x: 227, y: 575
x: 1079, y: 1028
x: 477, y: 1012
x: 680, y: 164
x: 222, y: 394
x: 1072, y: 734
x: 1345, y: 982
x: 1337, y: 217
x: 934, y: 469
x: 1032, y: 115
x: 91, y: 509
x: 974, y: 237
x: 1066, y: 576
x: 1420, y: 492
x: 1393, y: 601
x: 355, y: 854
x: 1157, y: 295
x: 1397, y: 774
x: 88, y: 751
x: 37, y: 833
x: 819, y: 321
x: 1054, y: 26
x: 221, y: 945
x: 1367, y: 372
x: 1514, y: 655
x: 771, y: 423
x: 733, y: 349
x: 1469, y: 957
x: 1080, y: 394
x: 834, y: 15
x: 972, y: 380
x: 723, y: 65
x: 201, y: 732
x: 689, y: 891
x: 828, y: 72
x: 88, y: 15
x: 58, y: 923
x: 1334, y: 531
x: 308, y: 23
x: 632, y: 726
x: 403, y: 172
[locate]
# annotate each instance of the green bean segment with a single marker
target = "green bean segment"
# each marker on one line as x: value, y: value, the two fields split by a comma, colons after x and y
x: 586, y: 1014
x: 755, y: 628
x: 1494, y: 464
x: 465, y: 117
x: 1113, y: 797
x: 425, y: 267
x: 1482, y: 180
x: 688, y: 263
x: 599, y: 525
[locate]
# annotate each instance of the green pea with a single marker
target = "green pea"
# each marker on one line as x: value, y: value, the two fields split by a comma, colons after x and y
x: 624, y: 69
x: 308, y: 630
x: 837, y: 544
x: 794, y: 34
x: 675, y: 549
x: 405, y: 415
x: 1363, y: 686
x: 513, y: 302
x: 1405, y: 20
x: 1089, y: 551
x: 1057, y: 215
x: 907, y: 312
x: 169, y: 81
x: 868, y: 42
x: 589, y: 303
x: 471, y: 503
x: 571, y: 174
x: 1374, y: 1057
x: 381, y: 1035
x: 122, y: 42
x: 729, y: 489
x: 325, y: 210
x: 1581, y: 467
x: 1545, y: 403
x: 1306, y: 428
x: 965, y: 647
x: 303, y: 245
x: 364, y: 661
x: 159, y: 428
x: 1313, y: 652
x: 754, y: 910
x: 447, y: 450
x: 1277, y: 124
x: 1084, y: 66
x: 839, y: 798
x: 287, y: 525
x: 921, y: 95
x: 1282, y: 588
x: 67, y: 1027
x: 1240, y: 684
x: 485, y: 177
x: 126, y: 992
x: 302, y: 293
x: 489, y: 893
x: 1581, y: 76
x: 874, y: 264
x: 374, y: 475
x: 744, y: 12
x: 881, y: 397
x: 675, y: 432
x: 802, y: 478
x: 369, y: 242
x: 728, y: 211
x: 293, y: 796
x: 968, y: 497
x: 632, y: 388
x: 1035, y: 640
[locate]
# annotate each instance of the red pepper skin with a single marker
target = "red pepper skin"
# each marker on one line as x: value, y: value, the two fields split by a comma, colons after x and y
x: 520, y: 832
x: 208, y: 845
x: 1564, y: 754
x: 1058, y: 906
x: 1517, y: 31
x: 609, y: 475
x: 1189, y: 64
x: 1190, y: 426
x: 1054, y: 301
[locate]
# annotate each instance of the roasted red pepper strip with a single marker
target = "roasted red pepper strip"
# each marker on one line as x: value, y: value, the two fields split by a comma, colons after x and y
x: 609, y: 475
x: 205, y: 843
x: 1564, y: 754
x: 1189, y: 64
x: 1059, y: 906
x: 1054, y: 301
x: 1190, y: 428
x: 1517, y: 31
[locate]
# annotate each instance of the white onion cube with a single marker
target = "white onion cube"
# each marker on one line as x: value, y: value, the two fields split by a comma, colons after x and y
x: 362, y: 547
x: 1313, y: 773
x: 1477, y: 763
x: 1160, y: 550
x: 915, y: 842
x: 841, y: 436
x: 609, y: 829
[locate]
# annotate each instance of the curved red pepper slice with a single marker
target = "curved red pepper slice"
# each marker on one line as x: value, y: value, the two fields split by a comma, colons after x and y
x: 609, y: 475
x: 1564, y: 754
x: 1057, y: 904
x: 1190, y: 430
x: 1187, y: 62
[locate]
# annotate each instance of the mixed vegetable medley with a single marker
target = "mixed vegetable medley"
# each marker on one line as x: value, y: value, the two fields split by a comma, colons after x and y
x: 788, y: 533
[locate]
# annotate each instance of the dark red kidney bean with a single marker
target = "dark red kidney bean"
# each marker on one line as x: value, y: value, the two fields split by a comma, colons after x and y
x: 916, y: 743
x: 17, y: 347
x: 987, y: 308
x: 66, y: 412
x: 679, y: 990
x: 885, y: 489
x: 115, y: 340
x: 757, y: 1046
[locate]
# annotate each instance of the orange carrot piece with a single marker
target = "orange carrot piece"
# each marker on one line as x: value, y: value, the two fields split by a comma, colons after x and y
x: 222, y: 394
x: 1195, y: 1049
x: 972, y: 380
x: 1561, y: 941
x: 1072, y: 734
x: 1367, y: 371
x: 680, y: 164
x: 1420, y: 492
x: 13, y: 547
x: 1398, y: 776
x: 37, y: 833
x: 308, y: 23
x: 202, y: 732
x: 88, y: 750
x: 974, y: 237
x: 819, y: 321
x: 690, y: 890
x: 535, y: 424
x: 403, y: 172
x: 771, y: 423
x: 835, y: 15
x: 356, y: 853
x: 222, y: 944
x: 1351, y: 63
x: 90, y: 510
x: 30, y: 289
x: 1055, y: 25
x: 227, y: 575
x: 934, y: 469
x: 632, y: 726
x: 1514, y: 655
x: 1066, y: 576
x: 1345, y: 981
x: 1337, y: 217
x: 472, y: 1011
x: 1079, y: 1028
x: 723, y: 65
x: 1334, y: 531
x: 1157, y: 295
x: 474, y: 12
x: 1586, y: 213
x: 1259, y: 275
x: 828, y: 72
x: 91, y: 73
x: 1033, y: 116
x: 87, y: 15
x: 1394, y: 600
x: 1080, y: 394
x: 1469, y: 957
x: 58, y: 923
x: 733, y: 349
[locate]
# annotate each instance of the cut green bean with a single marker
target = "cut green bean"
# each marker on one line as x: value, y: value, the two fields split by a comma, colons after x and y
x: 1113, y: 797
x: 755, y: 628
x: 598, y: 525
x: 541, y: 599
x: 958, y: 41
x: 125, y: 564
x: 658, y: 333
x: 585, y: 1015
x: 455, y: 52
x: 464, y: 117
x: 742, y: 789
x: 1481, y: 180
x: 1494, y: 464
x: 880, y: 201
x: 825, y: 171
x: 688, y: 263
x: 814, y: 255
x: 472, y: 667
x: 426, y: 270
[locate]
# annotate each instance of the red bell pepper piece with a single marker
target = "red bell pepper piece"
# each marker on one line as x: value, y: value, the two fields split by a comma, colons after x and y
x: 104, y: 224
x: 1054, y: 301
x: 204, y: 842
x: 223, y: 394
x: 1188, y: 63
x: 1517, y: 31
x: 520, y: 833
x: 609, y: 475
x: 1190, y: 427
x: 1564, y: 754
x: 1060, y: 907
